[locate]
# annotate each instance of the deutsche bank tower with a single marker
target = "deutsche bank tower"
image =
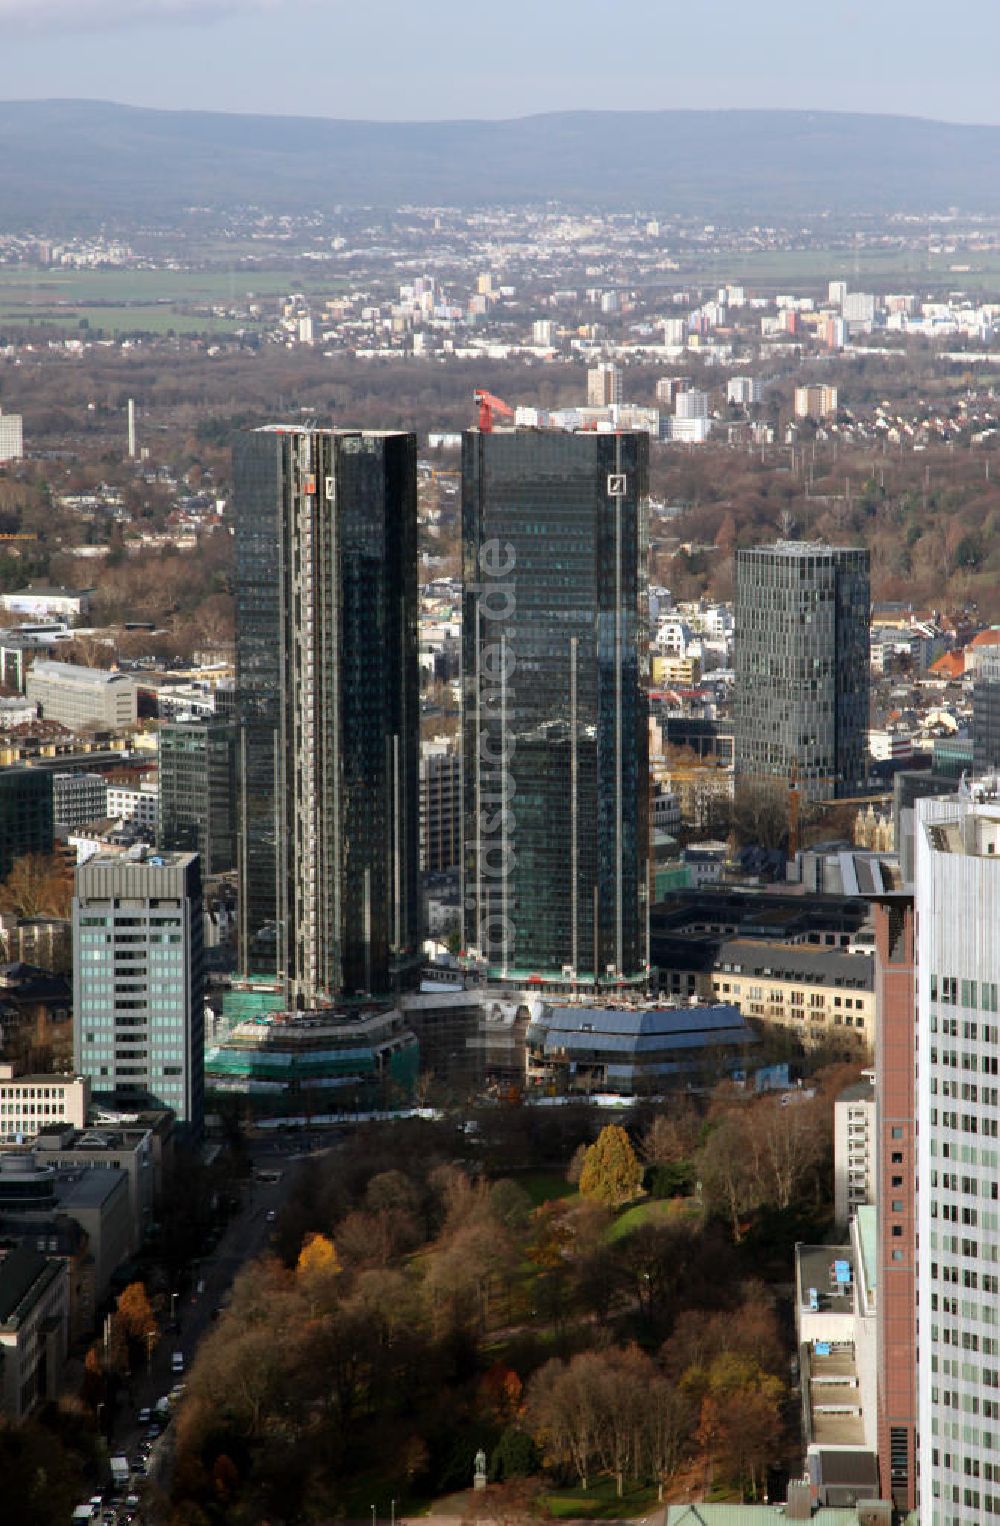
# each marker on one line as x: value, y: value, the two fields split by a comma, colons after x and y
x: 554, y: 705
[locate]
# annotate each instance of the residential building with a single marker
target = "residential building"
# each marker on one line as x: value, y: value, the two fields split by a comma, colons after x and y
x: 691, y: 404
x: 554, y: 703
x: 802, y: 673
x: 633, y: 1051
x: 197, y: 788
x: 745, y: 391
x: 823, y: 996
x: 326, y: 661
x: 440, y: 806
x: 40, y: 599
x: 34, y: 1320
x: 957, y: 1125
x: 854, y: 1135
x: 604, y: 385
x: 29, y: 1103
x: 11, y: 436
x: 77, y: 799
x: 138, y: 981
x: 26, y: 824
x: 815, y: 402
x: 80, y: 697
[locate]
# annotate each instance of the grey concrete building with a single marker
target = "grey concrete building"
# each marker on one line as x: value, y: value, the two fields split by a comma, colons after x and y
x: 801, y: 658
x: 82, y: 697
x: 78, y: 798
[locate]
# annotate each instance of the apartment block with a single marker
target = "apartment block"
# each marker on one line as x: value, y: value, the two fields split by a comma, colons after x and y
x: 82, y: 697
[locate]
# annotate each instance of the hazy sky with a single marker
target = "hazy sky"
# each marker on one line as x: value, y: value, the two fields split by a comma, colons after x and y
x: 462, y: 58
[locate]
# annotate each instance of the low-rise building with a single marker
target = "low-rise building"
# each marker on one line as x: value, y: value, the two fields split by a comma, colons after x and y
x: 632, y: 1051
x: 34, y: 1320
x: 80, y: 697
x: 29, y: 1103
x: 309, y: 1060
x: 43, y: 599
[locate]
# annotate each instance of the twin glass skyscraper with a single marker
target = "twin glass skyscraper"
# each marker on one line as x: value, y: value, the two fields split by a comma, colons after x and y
x: 326, y: 669
x: 554, y: 703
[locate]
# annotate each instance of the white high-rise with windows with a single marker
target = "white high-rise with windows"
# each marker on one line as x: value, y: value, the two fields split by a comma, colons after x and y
x: 957, y: 871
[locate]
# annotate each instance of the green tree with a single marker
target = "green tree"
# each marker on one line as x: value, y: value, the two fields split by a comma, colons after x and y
x: 611, y: 1171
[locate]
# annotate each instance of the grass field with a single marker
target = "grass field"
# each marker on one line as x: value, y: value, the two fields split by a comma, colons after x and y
x: 142, y: 301
x: 598, y: 1503
x: 907, y: 269
x: 544, y: 1186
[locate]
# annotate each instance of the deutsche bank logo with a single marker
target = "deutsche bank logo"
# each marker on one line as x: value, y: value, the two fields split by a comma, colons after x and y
x: 616, y: 485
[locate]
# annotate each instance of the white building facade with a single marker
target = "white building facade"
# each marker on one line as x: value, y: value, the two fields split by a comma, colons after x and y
x: 957, y: 872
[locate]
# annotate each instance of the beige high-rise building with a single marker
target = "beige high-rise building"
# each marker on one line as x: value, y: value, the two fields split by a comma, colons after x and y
x: 604, y: 385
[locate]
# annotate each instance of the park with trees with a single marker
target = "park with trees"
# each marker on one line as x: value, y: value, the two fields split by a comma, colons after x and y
x: 610, y: 1327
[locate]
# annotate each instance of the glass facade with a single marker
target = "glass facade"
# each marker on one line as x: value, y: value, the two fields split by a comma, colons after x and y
x: 197, y: 781
x: 327, y: 692
x: 554, y: 701
x: 26, y: 814
x: 802, y: 670
x: 986, y: 717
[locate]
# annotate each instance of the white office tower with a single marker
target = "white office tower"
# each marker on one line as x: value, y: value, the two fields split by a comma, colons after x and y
x: 958, y: 1165
x: 11, y: 437
x: 692, y: 404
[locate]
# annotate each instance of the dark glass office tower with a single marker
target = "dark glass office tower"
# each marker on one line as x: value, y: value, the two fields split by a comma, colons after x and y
x: 327, y: 692
x: 197, y: 784
x: 554, y: 702
x: 986, y: 717
x: 801, y: 648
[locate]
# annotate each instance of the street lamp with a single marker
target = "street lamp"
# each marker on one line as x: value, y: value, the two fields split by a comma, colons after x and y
x: 374, y: 1522
x: 393, y: 1514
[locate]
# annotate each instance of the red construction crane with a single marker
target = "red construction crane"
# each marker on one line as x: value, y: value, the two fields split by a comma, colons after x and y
x: 489, y: 405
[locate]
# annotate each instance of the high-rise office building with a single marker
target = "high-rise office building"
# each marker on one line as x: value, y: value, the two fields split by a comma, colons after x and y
x: 326, y: 668
x: 138, y: 981
x: 554, y: 702
x: 957, y: 905
x: 986, y: 717
x: 197, y: 791
x: 801, y: 646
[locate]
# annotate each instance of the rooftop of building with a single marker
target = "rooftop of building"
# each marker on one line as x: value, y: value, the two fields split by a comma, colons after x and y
x: 20, y: 1272
x: 84, y: 678
x: 859, y: 1091
x: 700, y: 1514
x: 796, y: 549
x: 797, y: 961
x: 638, y: 1029
x: 141, y: 856
x: 827, y: 1270
x: 48, y: 590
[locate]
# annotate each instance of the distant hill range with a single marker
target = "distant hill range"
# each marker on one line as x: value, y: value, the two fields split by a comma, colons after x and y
x: 64, y: 161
